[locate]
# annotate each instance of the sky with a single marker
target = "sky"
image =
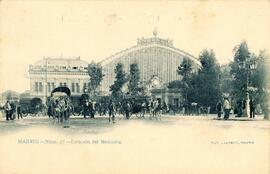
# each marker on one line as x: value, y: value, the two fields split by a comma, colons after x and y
x: 94, y: 30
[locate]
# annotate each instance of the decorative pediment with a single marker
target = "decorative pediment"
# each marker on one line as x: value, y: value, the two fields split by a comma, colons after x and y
x: 154, y: 83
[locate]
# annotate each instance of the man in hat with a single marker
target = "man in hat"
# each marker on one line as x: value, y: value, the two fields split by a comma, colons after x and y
x: 227, y: 108
x: 7, y: 108
x: 19, y: 111
x: 219, y: 109
x: 112, y: 111
x: 252, y: 108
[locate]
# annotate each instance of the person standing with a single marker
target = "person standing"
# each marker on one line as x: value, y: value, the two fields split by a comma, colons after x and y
x: 227, y: 108
x: 7, y: 110
x: 94, y: 109
x: 112, y: 110
x: 85, y: 109
x: 19, y: 111
x: 12, y: 113
x: 127, y: 109
x: 90, y: 108
x: 252, y: 108
x: 143, y: 108
x: 219, y: 109
x: 240, y: 108
x: 164, y: 107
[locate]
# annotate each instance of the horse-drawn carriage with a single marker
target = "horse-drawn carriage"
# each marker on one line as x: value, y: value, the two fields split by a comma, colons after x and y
x: 138, y: 105
x: 32, y: 106
x: 59, y: 104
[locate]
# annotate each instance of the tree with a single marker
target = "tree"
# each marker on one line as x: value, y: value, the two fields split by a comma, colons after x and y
x: 250, y: 75
x: 134, y: 79
x: 260, y: 81
x: 120, y: 80
x: 207, y: 83
x: 176, y: 84
x: 185, y: 70
x: 239, y: 71
x: 96, y: 76
x: 9, y: 96
x: 226, y: 80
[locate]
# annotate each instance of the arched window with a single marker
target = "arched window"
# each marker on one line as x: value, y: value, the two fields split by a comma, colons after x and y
x: 40, y: 87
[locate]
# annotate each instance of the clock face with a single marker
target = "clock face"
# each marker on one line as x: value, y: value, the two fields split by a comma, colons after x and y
x: 155, y: 82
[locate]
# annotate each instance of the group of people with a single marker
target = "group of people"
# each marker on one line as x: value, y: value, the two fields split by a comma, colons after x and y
x: 89, y: 108
x: 126, y: 108
x: 11, y: 110
x: 131, y: 106
x: 226, y: 107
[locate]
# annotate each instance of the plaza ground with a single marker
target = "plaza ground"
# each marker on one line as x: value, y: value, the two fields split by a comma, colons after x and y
x: 176, y: 144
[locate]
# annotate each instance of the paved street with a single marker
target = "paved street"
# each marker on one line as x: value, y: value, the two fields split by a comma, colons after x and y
x: 177, y: 144
x: 77, y: 124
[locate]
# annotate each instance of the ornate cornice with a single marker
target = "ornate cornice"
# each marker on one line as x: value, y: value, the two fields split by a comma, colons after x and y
x: 57, y: 72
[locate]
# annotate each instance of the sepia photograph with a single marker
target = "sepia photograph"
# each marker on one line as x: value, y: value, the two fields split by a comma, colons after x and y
x: 134, y: 87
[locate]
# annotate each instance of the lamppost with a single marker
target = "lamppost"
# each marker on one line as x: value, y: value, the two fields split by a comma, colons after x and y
x: 243, y: 66
x: 247, y: 66
x: 184, y: 69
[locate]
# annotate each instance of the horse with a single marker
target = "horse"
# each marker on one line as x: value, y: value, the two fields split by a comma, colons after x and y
x: 60, y: 108
x: 155, y: 110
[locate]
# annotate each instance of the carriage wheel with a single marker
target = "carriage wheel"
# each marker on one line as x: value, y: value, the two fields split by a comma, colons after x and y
x: 138, y: 115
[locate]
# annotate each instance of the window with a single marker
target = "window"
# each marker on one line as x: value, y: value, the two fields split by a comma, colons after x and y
x: 49, y: 86
x: 73, y: 87
x: 36, y: 86
x: 61, y: 84
x: 78, y: 87
x: 74, y: 67
x: 65, y: 84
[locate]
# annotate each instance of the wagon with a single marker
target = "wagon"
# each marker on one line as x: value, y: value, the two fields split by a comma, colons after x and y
x: 32, y: 106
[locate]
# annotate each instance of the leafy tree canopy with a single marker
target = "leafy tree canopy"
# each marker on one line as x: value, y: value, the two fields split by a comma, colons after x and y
x: 120, y: 80
x: 96, y: 76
